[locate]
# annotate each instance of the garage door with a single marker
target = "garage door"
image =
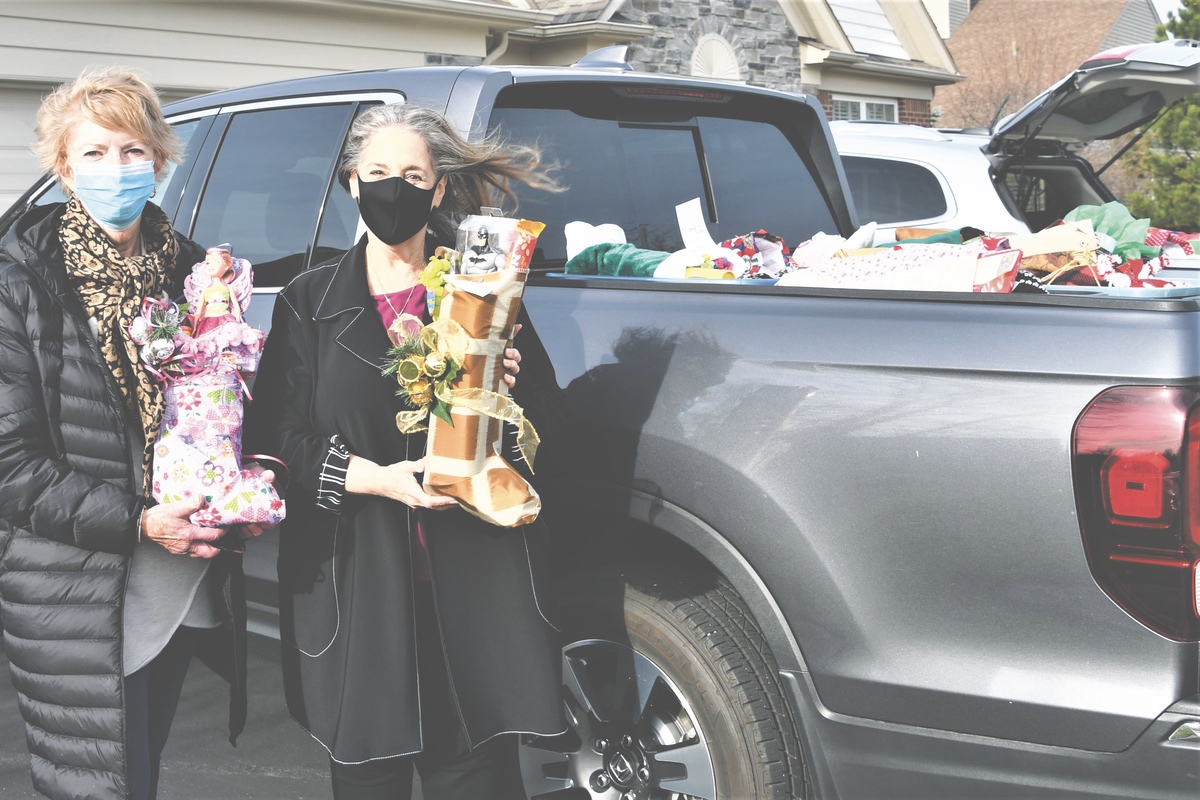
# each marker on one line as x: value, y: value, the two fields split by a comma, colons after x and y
x: 18, y: 167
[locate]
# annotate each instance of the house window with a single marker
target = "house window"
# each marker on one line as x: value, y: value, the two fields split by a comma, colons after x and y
x: 871, y: 109
x: 715, y: 58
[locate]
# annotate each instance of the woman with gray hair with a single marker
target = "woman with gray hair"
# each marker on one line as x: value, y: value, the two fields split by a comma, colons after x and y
x: 105, y: 595
x: 413, y: 633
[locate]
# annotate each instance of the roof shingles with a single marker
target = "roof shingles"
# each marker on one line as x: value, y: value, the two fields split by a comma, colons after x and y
x: 571, y: 10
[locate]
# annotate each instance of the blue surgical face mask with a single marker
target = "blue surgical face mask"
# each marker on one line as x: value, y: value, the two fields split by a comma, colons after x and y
x: 114, y: 194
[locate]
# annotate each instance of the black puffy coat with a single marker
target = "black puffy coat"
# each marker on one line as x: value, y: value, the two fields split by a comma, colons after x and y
x: 69, y: 481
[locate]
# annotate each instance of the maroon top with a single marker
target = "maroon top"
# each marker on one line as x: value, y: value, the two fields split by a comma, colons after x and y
x: 405, y: 301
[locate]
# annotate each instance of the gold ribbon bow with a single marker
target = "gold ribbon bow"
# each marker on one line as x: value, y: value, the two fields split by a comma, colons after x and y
x: 426, y: 380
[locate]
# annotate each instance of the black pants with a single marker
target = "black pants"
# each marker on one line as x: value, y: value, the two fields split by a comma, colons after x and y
x: 151, y: 697
x: 449, y: 768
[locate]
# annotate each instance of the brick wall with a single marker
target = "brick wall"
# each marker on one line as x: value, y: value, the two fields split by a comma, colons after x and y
x: 914, y: 112
x: 826, y: 98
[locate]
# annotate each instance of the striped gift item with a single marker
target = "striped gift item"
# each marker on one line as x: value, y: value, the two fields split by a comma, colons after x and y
x: 464, y: 460
x: 1160, y: 237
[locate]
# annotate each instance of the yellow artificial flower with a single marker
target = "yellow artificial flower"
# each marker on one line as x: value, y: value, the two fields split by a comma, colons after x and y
x: 421, y: 392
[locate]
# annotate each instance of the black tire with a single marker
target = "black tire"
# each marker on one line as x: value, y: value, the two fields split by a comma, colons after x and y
x: 700, y: 644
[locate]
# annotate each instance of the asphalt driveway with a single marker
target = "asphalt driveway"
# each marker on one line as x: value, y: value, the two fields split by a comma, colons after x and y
x: 274, y: 760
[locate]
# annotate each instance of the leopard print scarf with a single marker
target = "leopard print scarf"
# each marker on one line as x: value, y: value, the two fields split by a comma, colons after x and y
x: 111, y: 288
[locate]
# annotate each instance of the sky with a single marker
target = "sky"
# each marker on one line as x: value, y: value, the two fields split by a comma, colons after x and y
x: 1164, y: 6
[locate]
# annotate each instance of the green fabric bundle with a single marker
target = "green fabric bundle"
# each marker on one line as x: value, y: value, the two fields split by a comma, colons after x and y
x: 609, y: 258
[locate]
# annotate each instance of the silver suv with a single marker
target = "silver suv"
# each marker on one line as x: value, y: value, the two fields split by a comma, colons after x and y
x: 906, y: 175
x: 1026, y: 173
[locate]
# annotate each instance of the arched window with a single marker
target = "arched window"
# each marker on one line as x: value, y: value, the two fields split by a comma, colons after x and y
x: 715, y: 58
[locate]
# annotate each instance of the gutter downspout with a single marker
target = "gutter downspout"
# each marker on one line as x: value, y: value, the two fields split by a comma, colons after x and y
x: 497, y: 51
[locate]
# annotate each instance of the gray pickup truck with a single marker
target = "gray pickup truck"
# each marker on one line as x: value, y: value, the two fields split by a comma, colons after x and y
x: 830, y: 544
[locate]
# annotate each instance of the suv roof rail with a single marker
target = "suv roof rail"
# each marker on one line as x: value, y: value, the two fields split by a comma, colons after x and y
x: 611, y: 57
x: 890, y: 130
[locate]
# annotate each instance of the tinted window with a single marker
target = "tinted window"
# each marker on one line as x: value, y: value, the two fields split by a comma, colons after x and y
x: 339, y: 221
x: 887, y: 191
x: 652, y: 151
x: 632, y: 162
x: 1045, y: 192
x: 1027, y: 191
x: 760, y: 181
x: 53, y: 194
x: 267, y: 185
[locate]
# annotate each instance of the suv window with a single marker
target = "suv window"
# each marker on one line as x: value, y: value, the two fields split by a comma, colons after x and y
x: 268, y: 184
x: 339, y: 222
x: 638, y: 159
x: 885, y: 190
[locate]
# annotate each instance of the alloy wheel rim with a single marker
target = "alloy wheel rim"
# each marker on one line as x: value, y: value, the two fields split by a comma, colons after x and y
x: 632, y: 734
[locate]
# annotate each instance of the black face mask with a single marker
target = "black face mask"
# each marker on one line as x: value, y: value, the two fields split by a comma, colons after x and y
x: 394, y: 209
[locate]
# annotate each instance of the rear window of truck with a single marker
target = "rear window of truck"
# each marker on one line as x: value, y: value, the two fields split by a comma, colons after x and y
x: 630, y: 160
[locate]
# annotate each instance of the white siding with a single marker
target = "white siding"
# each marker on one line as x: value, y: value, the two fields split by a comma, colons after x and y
x: 18, y: 167
x: 198, y: 46
x: 186, y: 47
x: 868, y: 28
x: 1135, y: 25
x: 958, y: 12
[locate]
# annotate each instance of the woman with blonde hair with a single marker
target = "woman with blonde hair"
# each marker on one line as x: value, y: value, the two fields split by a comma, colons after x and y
x: 413, y: 633
x: 105, y: 595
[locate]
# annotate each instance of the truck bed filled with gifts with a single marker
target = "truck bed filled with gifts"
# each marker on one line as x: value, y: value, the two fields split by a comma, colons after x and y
x: 835, y: 513
x: 1095, y: 250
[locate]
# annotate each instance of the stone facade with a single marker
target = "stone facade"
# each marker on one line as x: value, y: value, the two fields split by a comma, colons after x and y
x: 767, y: 48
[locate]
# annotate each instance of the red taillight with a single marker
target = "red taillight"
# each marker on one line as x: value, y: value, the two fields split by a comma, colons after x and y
x: 1136, y: 453
x: 1134, y: 484
x: 668, y: 91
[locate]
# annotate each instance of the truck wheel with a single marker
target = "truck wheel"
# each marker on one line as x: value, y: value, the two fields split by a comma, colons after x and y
x: 670, y: 692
